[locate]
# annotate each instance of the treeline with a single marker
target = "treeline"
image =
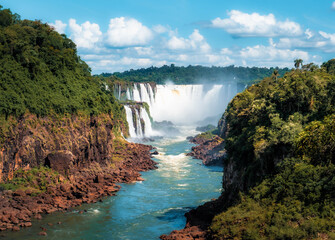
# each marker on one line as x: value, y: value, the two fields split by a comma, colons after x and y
x: 40, y: 72
x: 196, y: 74
x: 281, y: 147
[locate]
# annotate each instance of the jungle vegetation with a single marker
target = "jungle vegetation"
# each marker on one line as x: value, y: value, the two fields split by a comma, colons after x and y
x: 196, y: 74
x: 281, y: 142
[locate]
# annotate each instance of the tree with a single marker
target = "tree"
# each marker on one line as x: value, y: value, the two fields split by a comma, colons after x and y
x: 297, y: 63
x: 275, y: 74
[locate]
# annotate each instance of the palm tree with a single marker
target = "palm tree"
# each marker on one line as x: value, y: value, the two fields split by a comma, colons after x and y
x: 297, y: 63
x: 275, y: 74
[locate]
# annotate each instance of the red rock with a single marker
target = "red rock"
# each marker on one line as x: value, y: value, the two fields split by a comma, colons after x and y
x: 42, y: 234
x: 26, y: 224
x: 19, y: 192
x: 16, y: 228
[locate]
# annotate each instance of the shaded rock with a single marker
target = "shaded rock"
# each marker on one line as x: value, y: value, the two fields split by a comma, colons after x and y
x: 210, y: 151
x: 42, y: 234
x: 60, y: 161
x: 16, y: 228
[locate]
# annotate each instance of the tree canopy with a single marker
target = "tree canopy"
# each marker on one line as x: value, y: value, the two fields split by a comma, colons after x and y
x: 41, y: 72
x: 281, y: 144
x: 196, y: 74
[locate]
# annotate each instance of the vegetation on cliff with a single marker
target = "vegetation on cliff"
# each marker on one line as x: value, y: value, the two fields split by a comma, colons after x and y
x: 280, y: 141
x: 196, y: 74
x: 41, y: 72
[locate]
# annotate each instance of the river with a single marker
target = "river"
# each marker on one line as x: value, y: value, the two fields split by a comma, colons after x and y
x: 141, y: 210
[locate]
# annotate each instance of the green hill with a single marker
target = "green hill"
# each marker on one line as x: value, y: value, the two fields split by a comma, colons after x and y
x: 279, y: 177
x: 41, y: 72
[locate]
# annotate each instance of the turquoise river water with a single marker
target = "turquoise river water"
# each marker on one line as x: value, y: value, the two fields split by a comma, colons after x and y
x: 142, y: 210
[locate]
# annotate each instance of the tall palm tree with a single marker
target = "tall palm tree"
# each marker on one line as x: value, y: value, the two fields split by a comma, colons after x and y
x: 275, y: 74
x: 297, y: 63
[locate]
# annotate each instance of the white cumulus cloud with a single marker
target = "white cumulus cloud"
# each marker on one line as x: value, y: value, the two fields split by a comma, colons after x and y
x: 333, y: 6
x: 256, y: 25
x: 271, y: 55
x: 127, y: 32
x: 59, y: 26
x: 85, y: 35
x: 194, y: 42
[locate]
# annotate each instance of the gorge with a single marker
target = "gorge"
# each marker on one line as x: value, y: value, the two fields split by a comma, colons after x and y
x: 111, y: 156
x: 145, y: 210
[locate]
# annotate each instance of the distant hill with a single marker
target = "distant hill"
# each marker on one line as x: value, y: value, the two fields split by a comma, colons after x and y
x: 196, y: 74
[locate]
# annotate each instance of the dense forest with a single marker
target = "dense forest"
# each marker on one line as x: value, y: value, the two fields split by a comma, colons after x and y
x: 279, y: 174
x: 40, y: 72
x: 196, y: 74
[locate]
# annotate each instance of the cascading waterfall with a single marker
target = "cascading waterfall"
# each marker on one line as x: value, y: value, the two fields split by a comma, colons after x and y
x: 138, y: 121
x: 130, y: 120
x: 180, y: 104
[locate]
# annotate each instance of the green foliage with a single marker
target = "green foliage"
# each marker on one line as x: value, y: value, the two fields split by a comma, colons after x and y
x: 281, y: 141
x: 41, y: 72
x: 208, y: 135
x: 37, y: 179
x: 317, y: 142
x: 265, y: 119
x: 297, y: 203
x: 196, y: 74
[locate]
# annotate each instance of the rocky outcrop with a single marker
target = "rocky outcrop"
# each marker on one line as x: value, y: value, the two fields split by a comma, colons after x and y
x: 86, y: 154
x: 210, y: 151
x: 197, y: 222
x: 30, y: 141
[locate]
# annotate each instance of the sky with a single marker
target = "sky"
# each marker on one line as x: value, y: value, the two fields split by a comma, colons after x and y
x: 118, y: 35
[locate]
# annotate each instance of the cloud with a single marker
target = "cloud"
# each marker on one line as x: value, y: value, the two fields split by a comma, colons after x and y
x: 59, y: 26
x: 261, y: 55
x: 309, y: 33
x: 160, y: 29
x: 333, y: 5
x: 256, y: 25
x: 195, y: 42
x: 85, y: 35
x: 291, y: 43
x: 329, y: 36
x: 127, y: 32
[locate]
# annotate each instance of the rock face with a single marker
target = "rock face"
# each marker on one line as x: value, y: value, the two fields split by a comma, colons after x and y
x: 210, y: 151
x: 86, y: 153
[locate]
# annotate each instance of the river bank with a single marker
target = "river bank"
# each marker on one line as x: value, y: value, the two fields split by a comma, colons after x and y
x: 87, y: 185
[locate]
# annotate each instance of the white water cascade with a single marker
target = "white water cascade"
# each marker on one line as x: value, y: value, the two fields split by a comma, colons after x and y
x: 180, y: 104
x: 138, y: 121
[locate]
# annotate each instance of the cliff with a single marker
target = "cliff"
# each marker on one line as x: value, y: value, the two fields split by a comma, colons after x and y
x: 61, y: 141
x: 51, y: 164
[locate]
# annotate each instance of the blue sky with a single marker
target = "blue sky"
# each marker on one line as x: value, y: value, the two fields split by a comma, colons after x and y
x: 129, y: 34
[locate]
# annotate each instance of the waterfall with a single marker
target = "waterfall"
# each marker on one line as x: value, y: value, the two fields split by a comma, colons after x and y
x: 130, y: 121
x: 180, y: 104
x: 139, y: 122
x: 147, y: 122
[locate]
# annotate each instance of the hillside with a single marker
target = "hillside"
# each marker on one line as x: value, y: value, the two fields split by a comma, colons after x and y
x: 280, y: 144
x: 41, y: 72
